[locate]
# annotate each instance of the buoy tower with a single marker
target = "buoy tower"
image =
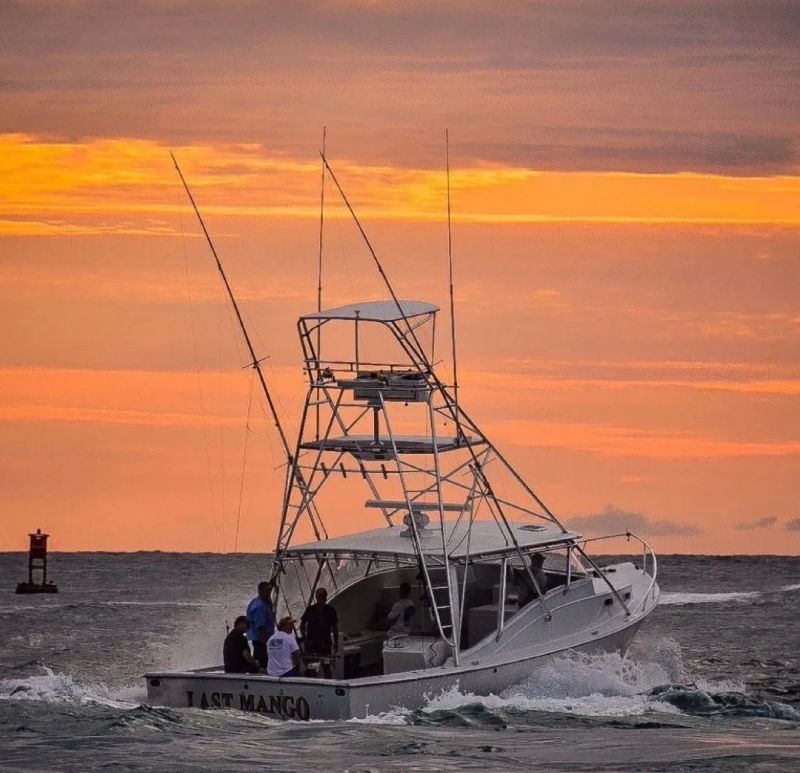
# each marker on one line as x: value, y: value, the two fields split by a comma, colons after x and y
x: 37, y: 562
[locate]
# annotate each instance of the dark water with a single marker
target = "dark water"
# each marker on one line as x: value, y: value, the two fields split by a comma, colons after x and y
x: 712, y: 683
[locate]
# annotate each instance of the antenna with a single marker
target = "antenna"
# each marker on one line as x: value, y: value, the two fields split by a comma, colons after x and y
x: 452, y: 300
x: 321, y: 222
x: 319, y: 265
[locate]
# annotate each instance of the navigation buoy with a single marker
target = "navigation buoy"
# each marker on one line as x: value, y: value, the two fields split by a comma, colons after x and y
x: 37, y: 561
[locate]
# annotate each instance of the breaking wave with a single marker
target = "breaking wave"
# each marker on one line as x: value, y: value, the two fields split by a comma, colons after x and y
x: 51, y: 687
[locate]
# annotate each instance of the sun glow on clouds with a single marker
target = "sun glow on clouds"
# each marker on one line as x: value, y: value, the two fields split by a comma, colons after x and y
x: 159, y: 399
x: 99, y: 186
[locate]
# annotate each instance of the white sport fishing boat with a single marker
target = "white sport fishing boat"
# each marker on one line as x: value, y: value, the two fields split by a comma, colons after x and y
x: 499, y: 584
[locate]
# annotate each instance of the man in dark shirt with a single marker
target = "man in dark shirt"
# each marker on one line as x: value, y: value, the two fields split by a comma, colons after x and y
x: 319, y: 627
x: 236, y: 651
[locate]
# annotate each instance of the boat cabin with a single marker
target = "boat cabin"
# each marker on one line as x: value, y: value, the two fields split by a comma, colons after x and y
x: 363, y: 573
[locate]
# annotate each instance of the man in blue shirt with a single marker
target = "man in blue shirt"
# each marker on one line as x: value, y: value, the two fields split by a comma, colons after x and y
x: 261, y: 621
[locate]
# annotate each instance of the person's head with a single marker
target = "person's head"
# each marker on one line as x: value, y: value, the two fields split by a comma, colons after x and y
x: 537, y: 560
x: 405, y: 590
x: 286, y: 624
x: 241, y: 623
x: 321, y: 596
x: 265, y: 589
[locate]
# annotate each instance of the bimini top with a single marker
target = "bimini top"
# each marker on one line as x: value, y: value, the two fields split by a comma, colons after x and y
x: 486, y: 539
x: 376, y: 311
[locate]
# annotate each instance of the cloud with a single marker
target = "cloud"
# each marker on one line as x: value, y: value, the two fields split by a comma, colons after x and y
x: 644, y: 150
x: 570, y: 77
x: 613, y: 520
x: 761, y: 523
x: 633, y: 441
x: 793, y: 525
x: 127, y: 185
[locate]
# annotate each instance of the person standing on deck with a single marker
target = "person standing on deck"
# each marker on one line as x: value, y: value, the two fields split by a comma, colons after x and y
x: 319, y: 627
x: 261, y: 618
x: 284, y: 652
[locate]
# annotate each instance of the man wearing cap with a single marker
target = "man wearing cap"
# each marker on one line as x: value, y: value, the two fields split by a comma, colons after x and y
x: 283, y: 650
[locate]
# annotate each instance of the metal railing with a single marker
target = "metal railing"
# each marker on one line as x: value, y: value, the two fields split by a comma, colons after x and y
x: 647, y: 553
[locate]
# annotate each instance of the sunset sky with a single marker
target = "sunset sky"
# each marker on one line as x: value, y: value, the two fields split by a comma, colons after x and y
x: 626, y: 232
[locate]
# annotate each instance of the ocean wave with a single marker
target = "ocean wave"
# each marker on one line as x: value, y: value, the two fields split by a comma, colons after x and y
x: 51, y: 687
x: 48, y: 607
x: 705, y: 700
x: 668, y: 599
x: 155, y: 604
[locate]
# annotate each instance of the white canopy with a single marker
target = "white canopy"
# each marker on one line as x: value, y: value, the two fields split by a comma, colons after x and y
x: 376, y: 311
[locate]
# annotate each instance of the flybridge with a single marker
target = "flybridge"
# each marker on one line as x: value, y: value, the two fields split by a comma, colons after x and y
x: 378, y: 417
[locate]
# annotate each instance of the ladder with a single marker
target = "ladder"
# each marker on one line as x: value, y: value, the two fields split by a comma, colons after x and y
x: 438, y: 605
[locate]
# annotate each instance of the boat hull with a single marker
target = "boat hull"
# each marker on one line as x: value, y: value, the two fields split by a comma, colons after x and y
x: 306, y: 699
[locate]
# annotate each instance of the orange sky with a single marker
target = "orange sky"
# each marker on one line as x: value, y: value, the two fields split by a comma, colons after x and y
x: 626, y: 211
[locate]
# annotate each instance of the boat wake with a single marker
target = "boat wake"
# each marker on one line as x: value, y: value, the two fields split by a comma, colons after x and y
x: 598, y: 686
x: 669, y: 599
x: 681, y: 598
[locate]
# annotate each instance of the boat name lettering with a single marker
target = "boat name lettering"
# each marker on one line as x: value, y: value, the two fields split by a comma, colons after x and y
x: 283, y: 705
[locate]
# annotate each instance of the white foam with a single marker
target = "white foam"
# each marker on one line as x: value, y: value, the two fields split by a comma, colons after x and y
x: 722, y: 686
x: 51, y: 687
x: 154, y: 604
x: 397, y: 716
x: 795, y: 586
x: 707, y: 598
x: 587, y: 685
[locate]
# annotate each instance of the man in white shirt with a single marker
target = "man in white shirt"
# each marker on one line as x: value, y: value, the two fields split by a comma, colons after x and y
x: 400, y: 614
x: 283, y: 650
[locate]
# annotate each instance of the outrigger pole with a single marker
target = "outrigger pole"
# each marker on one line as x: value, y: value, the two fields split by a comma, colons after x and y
x: 254, y: 363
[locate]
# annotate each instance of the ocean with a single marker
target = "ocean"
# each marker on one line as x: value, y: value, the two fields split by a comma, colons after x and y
x: 712, y: 682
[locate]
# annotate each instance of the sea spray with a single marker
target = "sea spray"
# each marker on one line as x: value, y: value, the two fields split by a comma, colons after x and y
x: 52, y: 687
